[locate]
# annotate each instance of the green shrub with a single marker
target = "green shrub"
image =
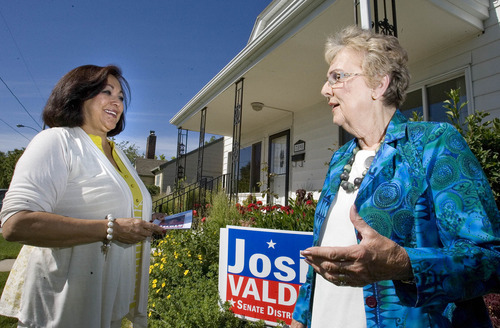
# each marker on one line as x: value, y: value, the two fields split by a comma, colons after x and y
x: 183, y: 289
x: 184, y: 275
x: 297, y: 216
x: 153, y: 190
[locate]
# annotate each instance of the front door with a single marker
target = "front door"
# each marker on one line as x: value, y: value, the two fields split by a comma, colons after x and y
x: 279, y: 151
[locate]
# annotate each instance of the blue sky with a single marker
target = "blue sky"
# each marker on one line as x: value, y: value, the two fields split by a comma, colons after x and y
x: 168, y: 50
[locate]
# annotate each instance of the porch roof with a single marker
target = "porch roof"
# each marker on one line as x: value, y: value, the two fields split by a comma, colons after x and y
x: 283, y: 66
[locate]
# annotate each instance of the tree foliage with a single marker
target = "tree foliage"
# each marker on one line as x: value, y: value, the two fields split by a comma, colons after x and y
x: 8, y: 162
x: 131, y: 150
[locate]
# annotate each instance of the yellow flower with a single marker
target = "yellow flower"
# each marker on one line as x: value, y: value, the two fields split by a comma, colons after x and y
x: 180, y: 265
x: 161, y: 267
x: 186, y: 272
x: 158, y: 290
x: 169, y: 296
x: 153, y: 304
x: 200, y: 257
x: 163, y: 285
x: 155, y: 281
x: 149, y: 314
x: 175, y: 254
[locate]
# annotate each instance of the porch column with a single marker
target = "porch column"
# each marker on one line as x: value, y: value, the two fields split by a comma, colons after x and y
x: 201, y: 145
x: 380, y: 22
x: 364, y: 13
x: 383, y: 25
x: 235, y: 159
x: 180, y: 163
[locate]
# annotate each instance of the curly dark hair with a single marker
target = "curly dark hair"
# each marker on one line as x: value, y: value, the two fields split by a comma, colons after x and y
x: 65, y: 104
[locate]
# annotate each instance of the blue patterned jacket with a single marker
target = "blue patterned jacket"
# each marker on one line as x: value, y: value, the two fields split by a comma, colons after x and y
x: 427, y: 192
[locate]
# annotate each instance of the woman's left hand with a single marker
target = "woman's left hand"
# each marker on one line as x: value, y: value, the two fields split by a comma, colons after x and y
x: 375, y: 258
x: 132, y: 231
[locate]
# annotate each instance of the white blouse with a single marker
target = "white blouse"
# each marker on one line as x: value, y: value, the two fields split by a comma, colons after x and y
x: 62, y: 171
x: 335, y: 306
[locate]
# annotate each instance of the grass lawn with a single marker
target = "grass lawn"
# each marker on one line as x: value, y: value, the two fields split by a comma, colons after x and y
x: 7, y: 251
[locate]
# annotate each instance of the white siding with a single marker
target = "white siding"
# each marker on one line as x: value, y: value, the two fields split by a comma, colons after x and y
x: 481, y: 54
x: 313, y: 125
x: 211, y: 166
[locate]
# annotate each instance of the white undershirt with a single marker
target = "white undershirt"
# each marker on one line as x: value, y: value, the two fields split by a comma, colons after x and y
x: 335, y: 306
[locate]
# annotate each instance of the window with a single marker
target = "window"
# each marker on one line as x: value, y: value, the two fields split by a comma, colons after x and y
x: 428, y: 102
x: 249, y: 174
x: 436, y: 94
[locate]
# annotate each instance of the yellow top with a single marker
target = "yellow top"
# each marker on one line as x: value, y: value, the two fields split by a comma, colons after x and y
x: 136, y: 194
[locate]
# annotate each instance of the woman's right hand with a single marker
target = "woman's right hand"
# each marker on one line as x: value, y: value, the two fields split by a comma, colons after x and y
x: 133, y: 231
x: 296, y: 324
x: 52, y: 230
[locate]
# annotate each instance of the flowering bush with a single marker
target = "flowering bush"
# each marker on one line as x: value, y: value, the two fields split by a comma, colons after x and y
x: 297, y: 216
x: 183, y: 286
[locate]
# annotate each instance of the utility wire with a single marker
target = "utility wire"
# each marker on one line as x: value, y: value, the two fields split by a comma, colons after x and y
x: 22, y: 57
x: 15, y: 129
x: 20, y: 102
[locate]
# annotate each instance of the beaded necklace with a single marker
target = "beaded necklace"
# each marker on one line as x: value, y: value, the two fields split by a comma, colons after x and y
x: 344, y: 176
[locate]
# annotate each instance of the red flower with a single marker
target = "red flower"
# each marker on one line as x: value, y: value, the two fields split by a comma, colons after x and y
x: 259, y: 203
x: 203, y: 219
x: 195, y: 213
x: 252, y: 206
x: 309, y: 202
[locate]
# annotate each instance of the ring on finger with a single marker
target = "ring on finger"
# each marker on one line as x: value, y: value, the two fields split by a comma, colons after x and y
x: 341, y: 280
x: 341, y: 267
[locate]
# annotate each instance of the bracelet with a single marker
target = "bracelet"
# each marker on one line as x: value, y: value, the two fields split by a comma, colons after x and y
x: 106, y: 244
x: 109, y: 232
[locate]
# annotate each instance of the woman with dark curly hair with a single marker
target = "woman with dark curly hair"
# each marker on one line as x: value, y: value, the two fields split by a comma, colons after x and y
x: 82, y: 212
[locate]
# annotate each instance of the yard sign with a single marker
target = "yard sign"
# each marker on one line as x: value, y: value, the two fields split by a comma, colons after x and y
x: 261, y: 270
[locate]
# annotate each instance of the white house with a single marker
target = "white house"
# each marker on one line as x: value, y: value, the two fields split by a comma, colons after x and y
x: 164, y: 173
x: 271, y: 90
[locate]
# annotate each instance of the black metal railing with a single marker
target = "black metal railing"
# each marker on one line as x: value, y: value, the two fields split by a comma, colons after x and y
x: 193, y: 196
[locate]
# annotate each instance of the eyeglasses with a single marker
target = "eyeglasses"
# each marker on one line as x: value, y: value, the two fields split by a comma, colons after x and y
x: 336, y: 77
